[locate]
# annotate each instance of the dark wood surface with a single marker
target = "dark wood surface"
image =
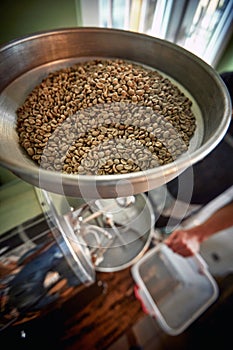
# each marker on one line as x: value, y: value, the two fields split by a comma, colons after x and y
x: 107, y: 317
x: 90, y: 317
x: 95, y: 317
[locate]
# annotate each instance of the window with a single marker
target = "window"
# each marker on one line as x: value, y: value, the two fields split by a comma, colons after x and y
x: 200, y: 26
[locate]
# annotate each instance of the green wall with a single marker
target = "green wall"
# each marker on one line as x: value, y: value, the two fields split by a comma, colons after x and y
x: 22, y: 17
x: 226, y: 62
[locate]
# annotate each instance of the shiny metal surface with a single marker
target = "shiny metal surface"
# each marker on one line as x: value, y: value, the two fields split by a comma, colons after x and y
x: 90, y: 250
x: 24, y: 62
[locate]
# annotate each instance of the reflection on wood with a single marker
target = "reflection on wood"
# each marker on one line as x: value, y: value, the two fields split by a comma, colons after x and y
x: 107, y: 317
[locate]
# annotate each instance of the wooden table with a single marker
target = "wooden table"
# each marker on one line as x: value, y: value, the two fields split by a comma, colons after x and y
x: 94, y: 317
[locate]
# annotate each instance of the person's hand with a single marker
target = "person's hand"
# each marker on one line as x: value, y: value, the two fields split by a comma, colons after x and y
x: 185, y: 243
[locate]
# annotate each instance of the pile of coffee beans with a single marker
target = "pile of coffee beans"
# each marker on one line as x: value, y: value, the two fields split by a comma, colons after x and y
x: 103, y: 117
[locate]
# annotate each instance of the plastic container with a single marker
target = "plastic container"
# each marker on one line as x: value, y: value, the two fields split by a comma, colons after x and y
x: 173, y: 289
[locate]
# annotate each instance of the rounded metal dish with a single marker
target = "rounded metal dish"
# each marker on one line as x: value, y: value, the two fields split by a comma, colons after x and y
x: 34, y: 56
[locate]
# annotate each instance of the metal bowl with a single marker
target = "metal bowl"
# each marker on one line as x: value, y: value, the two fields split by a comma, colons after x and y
x: 24, y: 62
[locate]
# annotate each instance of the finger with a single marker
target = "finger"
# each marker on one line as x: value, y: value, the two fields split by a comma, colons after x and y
x: 176, y: 235
x: 185, y: 252
x: 178, y: 243
x: 181, y: 248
